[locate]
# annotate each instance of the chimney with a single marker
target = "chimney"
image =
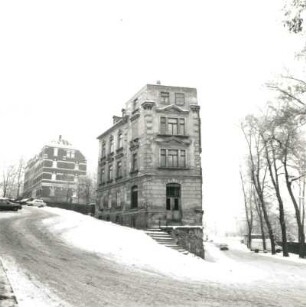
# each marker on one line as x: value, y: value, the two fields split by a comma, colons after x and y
x: 59, y: 138
x: 158, y: 82
x: 123, y: 112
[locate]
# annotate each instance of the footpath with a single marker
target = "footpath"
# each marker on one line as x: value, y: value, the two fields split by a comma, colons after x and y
x: 7, y: 296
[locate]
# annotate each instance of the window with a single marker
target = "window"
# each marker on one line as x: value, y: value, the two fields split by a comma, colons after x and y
x: 179, y: 99
x: 134, y: 162
x: 70, y: 154
x: 105, y: 202
x: 172, y: 126
x: 118, y: 198
x: 110, y: 172
x: 182, y: 158
x: 134, y: 197
x: 55, y: 153
x: 163, y: 158
x: 109, y: 201
x: 173, y: 158
x: 102, y: 175
x: 111, y: 144
x: 103, y: 149
x: 119, y: 169
x: 182, y: 126
x: 164, y: 97
x: 120, y: 140
x: 163, y: 125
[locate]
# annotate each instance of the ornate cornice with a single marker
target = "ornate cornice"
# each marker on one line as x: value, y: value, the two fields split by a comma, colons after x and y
x: 195, y: 108
x: 148, y: 105
x: 172, y: 140
x: 172, y: 108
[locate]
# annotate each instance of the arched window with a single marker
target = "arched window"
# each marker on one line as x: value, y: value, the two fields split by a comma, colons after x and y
x: 134, y: 197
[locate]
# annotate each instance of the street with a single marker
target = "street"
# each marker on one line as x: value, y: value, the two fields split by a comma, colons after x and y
x: 46, y: 271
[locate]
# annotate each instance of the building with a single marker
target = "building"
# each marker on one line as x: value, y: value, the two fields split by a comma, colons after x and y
x: 53, y: 174
x: 149, y: 171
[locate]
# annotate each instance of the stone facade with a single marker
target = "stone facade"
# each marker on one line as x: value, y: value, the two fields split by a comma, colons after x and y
x: 54, y: 173
x: 188, y: 237
x: 149, y: 171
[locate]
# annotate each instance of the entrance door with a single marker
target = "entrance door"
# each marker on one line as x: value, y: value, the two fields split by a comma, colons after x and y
x: 173, y: 202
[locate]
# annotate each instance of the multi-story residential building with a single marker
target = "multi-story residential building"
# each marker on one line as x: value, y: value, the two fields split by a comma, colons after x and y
x: 149, y: 171
x: 54, y: 173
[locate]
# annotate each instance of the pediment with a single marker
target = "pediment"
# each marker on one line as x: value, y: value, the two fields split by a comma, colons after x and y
x: 175, y: 141
x: 172, y: 108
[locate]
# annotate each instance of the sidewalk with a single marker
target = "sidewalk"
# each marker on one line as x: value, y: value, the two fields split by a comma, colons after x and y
x: 7, y: 297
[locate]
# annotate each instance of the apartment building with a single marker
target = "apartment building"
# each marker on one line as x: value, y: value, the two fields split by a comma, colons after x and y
x: 149, y: 170
x: 54, y: 173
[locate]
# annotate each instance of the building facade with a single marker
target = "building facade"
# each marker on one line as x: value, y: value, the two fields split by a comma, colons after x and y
x: 53, y: 175
x: 149, y: 171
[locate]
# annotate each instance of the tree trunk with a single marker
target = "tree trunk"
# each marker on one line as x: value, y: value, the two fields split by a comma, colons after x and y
x: 274, y: 178
x: 265, y: 214
x: 261, y: 222
x: 297, y: 213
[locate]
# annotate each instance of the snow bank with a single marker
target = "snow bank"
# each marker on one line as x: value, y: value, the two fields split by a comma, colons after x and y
x: 134, y: 248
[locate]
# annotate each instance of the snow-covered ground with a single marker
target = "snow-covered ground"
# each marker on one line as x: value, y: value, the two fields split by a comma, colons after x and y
x: 134, y: 248
x: 238, y: 274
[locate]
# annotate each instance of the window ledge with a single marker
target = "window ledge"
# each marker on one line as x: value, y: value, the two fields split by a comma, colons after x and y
x: 183, y: 136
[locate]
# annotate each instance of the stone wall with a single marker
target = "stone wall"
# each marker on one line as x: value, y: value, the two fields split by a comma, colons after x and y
x: 188, y: 237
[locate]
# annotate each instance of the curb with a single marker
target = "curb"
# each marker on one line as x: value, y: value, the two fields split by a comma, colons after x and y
x: 7, y: 296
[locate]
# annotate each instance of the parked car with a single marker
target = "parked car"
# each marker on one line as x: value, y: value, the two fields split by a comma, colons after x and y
x: 6, y: 204
x: 257, y: 246
x: 223, y: 246
x: 36, y: 203
x: 24, y: 201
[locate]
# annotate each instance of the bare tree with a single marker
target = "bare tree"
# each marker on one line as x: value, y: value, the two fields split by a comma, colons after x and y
x: 86, y: 188
x: 258, y: 169
x: 289, y: 119
x: 248, y: 206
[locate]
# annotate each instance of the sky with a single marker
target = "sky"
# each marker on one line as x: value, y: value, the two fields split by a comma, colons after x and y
x: 66, y: 67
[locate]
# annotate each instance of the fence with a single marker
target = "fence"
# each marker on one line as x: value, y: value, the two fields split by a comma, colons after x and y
x: 81, y: 208
x: 293, y: 247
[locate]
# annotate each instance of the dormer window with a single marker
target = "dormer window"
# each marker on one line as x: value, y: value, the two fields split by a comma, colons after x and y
x: 179, y: 99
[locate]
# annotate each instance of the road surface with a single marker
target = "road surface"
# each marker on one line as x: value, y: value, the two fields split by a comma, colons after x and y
x: 66, y: 276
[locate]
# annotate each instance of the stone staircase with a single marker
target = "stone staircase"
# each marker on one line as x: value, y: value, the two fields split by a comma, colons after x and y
x: 165, y: 239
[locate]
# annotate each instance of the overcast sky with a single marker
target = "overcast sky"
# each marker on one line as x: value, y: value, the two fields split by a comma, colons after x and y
x: 66, y: 67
